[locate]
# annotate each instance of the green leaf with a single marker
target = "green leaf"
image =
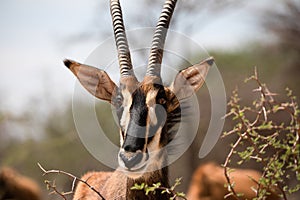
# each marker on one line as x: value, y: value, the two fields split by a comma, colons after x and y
x: 138, y: 187
x: 157, y: 185
x: 149, y: 189
x: 180, y: 194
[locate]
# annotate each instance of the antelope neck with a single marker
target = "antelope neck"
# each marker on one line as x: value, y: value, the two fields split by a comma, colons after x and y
x: 149, y: 178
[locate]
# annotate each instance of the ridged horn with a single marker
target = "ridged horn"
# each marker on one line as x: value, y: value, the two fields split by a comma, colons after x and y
x: 159, y: 38
x: 120, y: 39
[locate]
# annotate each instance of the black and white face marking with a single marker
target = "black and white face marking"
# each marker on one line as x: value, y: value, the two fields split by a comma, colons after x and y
x: 147, y: 112
x: 142, y: 136
x: 142, y: 117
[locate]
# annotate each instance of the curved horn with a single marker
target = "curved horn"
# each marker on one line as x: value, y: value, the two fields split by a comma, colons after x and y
x: 120, y: 38
x: 158, y: 42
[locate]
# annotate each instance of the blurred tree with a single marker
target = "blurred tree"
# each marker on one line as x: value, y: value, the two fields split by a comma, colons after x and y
x: 283, y: 21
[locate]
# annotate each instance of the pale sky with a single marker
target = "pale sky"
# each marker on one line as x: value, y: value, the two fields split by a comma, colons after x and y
x: 34, y: 40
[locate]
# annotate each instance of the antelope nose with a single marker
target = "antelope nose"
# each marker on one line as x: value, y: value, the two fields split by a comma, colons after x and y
x: 131, y: 159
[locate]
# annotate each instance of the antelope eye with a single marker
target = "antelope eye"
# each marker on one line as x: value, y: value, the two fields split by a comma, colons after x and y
x: 162, y: 101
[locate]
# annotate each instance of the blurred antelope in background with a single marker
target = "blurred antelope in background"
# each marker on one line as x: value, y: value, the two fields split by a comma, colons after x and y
x: 208, y: 183
x: 147, y: 111
x: 16, y: 186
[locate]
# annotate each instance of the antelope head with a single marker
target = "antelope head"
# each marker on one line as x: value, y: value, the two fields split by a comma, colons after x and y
x: 146, y: 110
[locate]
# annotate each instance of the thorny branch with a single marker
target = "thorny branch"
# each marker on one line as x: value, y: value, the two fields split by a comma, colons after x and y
x: 75, y: 179
x: 55, y: 190
x: 280, y: 139
x: 226, y: 169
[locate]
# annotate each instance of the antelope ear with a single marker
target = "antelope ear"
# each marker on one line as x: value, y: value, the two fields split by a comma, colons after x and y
x: 94, y: 80
x: 191, y: 79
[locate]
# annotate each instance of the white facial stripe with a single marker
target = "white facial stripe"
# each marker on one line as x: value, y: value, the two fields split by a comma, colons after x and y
x: 151, y: 118
x: 125, y: 117
x: 124, y: 121
x: 151, y: 96
x: 152, y: 115
x: 151, y: 102
x: 121, y: 138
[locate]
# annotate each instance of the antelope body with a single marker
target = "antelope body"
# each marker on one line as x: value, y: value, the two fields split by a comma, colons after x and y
x: 147, y: 111
x: 16, y: 186
x: 208, y: 183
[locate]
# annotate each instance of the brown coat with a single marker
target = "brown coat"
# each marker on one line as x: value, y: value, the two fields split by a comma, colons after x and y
x: 18, y: 187
x: 209, y: 180
x: 116, y: 185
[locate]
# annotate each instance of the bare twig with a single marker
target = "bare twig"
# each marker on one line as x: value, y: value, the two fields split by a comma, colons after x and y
x: 75, y: 179
x: 55, y: 190
x: 226, y: 168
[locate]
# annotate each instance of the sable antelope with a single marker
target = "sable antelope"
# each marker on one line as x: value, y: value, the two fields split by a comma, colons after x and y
x: 16, y: 186
x: 147, y: 111
x: 208, y: 183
